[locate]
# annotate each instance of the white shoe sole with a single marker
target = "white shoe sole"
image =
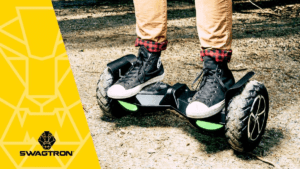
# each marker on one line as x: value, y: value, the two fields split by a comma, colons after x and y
x: 200, y: 114
x: 131, y: 92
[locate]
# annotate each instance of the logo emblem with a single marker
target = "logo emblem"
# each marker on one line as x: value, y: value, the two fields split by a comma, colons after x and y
x: 158, y: 63
x: 47, y: 140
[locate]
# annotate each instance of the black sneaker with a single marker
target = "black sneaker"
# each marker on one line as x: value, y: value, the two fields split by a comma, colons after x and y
x: 210, y: 97
x: 147, y: 70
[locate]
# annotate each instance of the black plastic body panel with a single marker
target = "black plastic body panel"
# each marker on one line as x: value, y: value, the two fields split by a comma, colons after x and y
x: 234, y: 89
x: 121, y: 65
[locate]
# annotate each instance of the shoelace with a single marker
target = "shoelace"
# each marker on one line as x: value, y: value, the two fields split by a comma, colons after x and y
x: 133, y: 72
x: 208, y: 76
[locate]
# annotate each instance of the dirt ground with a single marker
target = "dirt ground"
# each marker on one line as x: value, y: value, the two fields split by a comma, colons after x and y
x: 265, y: 41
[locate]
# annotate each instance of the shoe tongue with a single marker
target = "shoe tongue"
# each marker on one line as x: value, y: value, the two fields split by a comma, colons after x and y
x: 209, y: 63
x: 143, y: 53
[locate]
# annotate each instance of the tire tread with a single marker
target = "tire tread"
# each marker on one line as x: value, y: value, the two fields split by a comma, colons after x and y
x: 237, y: 117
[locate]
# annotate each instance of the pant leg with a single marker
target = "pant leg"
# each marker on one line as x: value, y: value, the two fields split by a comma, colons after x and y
x: 214, y: 25
x: 151, y: 24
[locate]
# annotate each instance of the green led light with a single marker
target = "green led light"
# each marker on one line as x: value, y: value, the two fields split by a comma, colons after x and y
x: 128, y: 106
x: 208, y: 126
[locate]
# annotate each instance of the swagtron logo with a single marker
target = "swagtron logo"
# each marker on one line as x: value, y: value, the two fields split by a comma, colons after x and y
x: 46, y: 140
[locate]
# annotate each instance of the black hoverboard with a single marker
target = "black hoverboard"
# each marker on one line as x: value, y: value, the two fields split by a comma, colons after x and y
x: 243, y: 119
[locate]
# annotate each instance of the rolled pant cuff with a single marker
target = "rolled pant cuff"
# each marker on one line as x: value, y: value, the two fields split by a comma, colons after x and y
x: 151, y: 46
x: 218, y: 54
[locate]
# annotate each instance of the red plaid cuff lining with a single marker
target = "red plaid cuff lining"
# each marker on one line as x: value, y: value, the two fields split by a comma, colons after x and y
x: 218, y: 54
x: 151, y: 45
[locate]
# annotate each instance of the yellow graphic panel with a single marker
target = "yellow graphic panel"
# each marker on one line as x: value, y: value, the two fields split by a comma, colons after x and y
x: 42, y: 122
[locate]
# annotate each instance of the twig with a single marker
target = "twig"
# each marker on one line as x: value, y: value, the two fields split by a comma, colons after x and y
x: 269, y: 13
x: 255, y: 4
x: 237, y: 70
x: 266, y: 136
x: 125, y: 34
x: 84, y: 108
x: 290, y: 76
x: 266, y: 161
x: 91, y: 72
x: 263, y: 9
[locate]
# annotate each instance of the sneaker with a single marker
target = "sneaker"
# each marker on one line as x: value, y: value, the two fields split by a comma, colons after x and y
x: 210, y: 97
x: 147, y: 70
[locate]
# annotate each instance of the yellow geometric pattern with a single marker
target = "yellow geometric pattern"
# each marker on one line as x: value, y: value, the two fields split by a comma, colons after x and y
x: 38, y: 92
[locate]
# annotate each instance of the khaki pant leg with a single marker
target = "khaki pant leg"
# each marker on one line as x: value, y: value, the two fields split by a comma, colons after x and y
x: 214, y: 23
x: 151, y: 19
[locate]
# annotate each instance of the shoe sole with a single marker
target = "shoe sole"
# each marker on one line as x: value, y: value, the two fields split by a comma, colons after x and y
x: 137, y: 89
x: 213, y: 110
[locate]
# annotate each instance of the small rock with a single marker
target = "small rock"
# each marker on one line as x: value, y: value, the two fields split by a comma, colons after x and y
x: 151, y: 151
